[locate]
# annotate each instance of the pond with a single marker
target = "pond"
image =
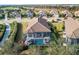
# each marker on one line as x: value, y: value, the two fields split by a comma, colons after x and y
x: 6, y: 34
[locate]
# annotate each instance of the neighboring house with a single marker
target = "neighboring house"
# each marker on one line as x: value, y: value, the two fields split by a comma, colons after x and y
x: 12, y: 13
x: 76, y: 13
x: 38, y: 32
x: 54, y: 19
x: 67, y: 13
x: 30, y: 13
x: 71, y: 31
x: 42, y: 13
x: 18, y: 17
x: 54, y: 13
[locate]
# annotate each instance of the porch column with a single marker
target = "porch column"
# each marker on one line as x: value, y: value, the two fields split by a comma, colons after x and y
x: 42, y: 34
x: 32, y: 35
x: 75, y: 41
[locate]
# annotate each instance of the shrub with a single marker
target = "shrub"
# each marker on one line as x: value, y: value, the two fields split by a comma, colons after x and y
x: 62, y: 15
x: 2, y: 30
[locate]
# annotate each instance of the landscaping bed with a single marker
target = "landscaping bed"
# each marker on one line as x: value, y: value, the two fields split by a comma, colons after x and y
x: 2, y: 29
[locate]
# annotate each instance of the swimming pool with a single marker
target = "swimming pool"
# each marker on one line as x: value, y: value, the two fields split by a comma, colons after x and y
x: 39, y: 42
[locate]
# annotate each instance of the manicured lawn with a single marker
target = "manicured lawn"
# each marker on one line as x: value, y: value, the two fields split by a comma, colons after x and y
x: 12, y: 26
x: 24, y: 24
x: 1, y: 34
x: 59, y: 26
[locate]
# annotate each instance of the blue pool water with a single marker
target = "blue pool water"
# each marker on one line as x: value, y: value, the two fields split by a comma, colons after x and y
x: 39, y: 42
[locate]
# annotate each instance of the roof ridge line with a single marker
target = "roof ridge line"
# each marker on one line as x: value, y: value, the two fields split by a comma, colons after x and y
x: 43, y: 25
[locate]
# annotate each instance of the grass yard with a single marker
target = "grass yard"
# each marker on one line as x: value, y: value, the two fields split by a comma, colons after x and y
x: 9, y: 8
x: 24, y: 24
x: 12, y: 25
x: 1, y: 34
x: 59, y: 26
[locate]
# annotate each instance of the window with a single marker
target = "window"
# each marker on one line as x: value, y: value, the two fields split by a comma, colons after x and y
x: 30, y: 35
x: 39, y: 35
x: 77, y: 41
x: 74, y: 41
x: 46, y: 34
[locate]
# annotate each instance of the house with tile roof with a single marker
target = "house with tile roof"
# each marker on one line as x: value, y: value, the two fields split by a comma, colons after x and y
x: 30, y: 13
x: 76, y: 13
x: 42, y: 13
x: 54, y: 13
x: 38, y: 32
x: 71, y: 31
x: 66, y: 13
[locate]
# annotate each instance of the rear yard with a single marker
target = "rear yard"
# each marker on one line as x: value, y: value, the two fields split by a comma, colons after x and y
x: 24, y: 24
